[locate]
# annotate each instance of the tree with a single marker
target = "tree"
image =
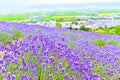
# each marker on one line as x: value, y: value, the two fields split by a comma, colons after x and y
x: 58, y: 25
x: 117, y: 30
x: 83, y: 27
x: 74, y: 22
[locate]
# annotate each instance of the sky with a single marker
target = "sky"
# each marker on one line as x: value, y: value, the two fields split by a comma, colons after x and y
x: 69, y: 1
x: 36, y: 2
x: 10, y: 4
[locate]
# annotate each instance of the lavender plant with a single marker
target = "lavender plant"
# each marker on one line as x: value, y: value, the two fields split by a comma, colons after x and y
x: 5, y: 37
x: 49, y: 56
x: 17, y: 33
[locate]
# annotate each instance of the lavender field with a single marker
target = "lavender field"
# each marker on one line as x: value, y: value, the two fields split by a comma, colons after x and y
x: 34, y: 52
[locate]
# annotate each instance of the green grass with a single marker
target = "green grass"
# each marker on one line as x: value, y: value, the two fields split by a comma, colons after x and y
x: 1, y: 76
x: 66, y: 33
x: 13, y: 17
x: 19, y: 17
x: 71, y: 44
x: 113, y: 42
x: 100, y: 42
x: 6, y: 37
x: 38, y: 30
x: 58, y: 16
x: 108, y: 12
x: 17, y: 33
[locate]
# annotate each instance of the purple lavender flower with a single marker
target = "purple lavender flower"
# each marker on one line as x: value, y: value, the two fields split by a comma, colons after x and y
x: 1, y: 61
x: 51, y: 59
x: 13, y: 77
x: 23, y: 77
x: 66, y: 76
x: 72, y: 78
x: 63, y: 70
x: 50, y: 75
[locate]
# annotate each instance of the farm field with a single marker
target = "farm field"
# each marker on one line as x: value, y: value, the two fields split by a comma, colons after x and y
x: 34, y: 52
x: 47, y: 16
x: 58, y: 16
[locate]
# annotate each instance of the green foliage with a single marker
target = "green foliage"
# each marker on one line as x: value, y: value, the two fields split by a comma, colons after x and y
x: 71, y: 44
x: 1, y: 76
x: 58, y: 25
x: 38, y: 30
x: 6, y: 37
x: 66, y: 33
x: 109, y: 27
x: 74, y: 22
x: 89, y: 29
x: 100, y: 31
x: 119, y: 62
x: 83, y: 27
x: 11, y: 67
x: 113, y: 42
x: 117, y: 30
x: 118, y: 44
x: 108, y: 11
x: 17, y: 33
x: 75, y: 28
x: 59, y: 20
x: 100, y: 42
x: 109, y: 30
x: 99, y: 69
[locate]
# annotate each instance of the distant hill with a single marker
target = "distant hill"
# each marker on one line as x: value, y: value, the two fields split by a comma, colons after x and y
x: 92, y: 5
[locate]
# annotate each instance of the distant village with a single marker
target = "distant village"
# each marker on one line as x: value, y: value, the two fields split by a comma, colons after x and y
x: 92, y: 22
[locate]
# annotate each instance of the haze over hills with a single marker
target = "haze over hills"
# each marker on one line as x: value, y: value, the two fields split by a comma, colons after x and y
x: 92, y: 5
x: 61, y: 7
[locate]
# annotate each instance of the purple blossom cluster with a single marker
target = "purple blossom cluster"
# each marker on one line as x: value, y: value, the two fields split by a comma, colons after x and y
x: 48, y: 55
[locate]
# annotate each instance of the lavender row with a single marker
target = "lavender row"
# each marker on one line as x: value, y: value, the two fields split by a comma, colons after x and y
x: 58, y: 54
